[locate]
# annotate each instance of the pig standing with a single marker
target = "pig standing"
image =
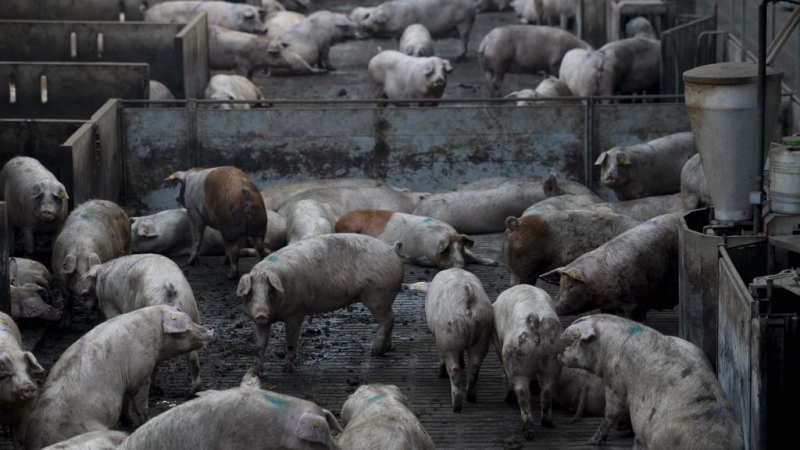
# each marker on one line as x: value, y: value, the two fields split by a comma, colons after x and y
x: 649, y: 169
x: 426, y: 241
x: 95, y: 232
x: 524, y: 49
x: 276, y: 195
x: 634, y: 272
x: 225, y: 199
x: 17, y: 389
x: 36, y: 201
x: 240, y: 419
x: 642, y: 208
x: 321, y: 274
x: 91, y: 381
x: 459, y: 314
x: 95, y: 440
x: 27, y: 303
x: 308, y: 218
x: 244, y: 53
x: 694, y: 188
x: 358, y: 15
x: 395, y: 75
x: 442, y: 18
x: 245, y: 18
x: 566, y: 202
x: 346, y: 199
x: 312, y: 38
x: 232, y: 87
x: 538, y: 243
x: 640, y: 27
x: 158, y: 91
x: 547, y: 88
x: 673, y: 395
x: 134, y: 282
x: 378, y: 416
x: 526, y: 336
x: 416, y: 41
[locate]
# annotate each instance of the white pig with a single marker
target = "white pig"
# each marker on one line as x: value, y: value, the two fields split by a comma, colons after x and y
x: 311, y: 40
x: 640, y: 27
x: 642, y: 208
x: 232, y: 87
x: 23, y: 271
x: 459, y: 314
x: 395, y: 75
x: 308, y: 218
x: 346, y: 199
x: 245, y: 18
x: 694, y: 188
x: 416, y: 41
x: 244, y: 53
x: 95, y: 440
x: 278, y: 22
x: 566, y: 202
x: 547, y: 88
x: 276, y: 195
x: 158, y: 91
x: 272, y: 6
x: 536, y: 11
x: 27, y: 303
x: 559, y: 187
x: 35, y: 200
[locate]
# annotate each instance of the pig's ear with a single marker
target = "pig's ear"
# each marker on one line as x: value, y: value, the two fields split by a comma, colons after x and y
x: 583, y: 330
x: 250, y: 380
x: 36, y: 191
x: 600, y: 160
x: 133, y: 220
x: 248, y: 14
x: 245, y: 284
x: 419, y: 286
x: 512, y: 95
x: 622, y: 159
x: 468, y: 241
x: 68, y: 266
x: 94, y: 260
x: 512, y: 223
x: 550, y: 185
x: 262, y: 13
x: 179, y: 176
x: 554, y: 276
x: 443, y: 244
x: 33, y: 363
x: 175, y: 322
x: 275, y: 282
x: 61, y: 192
x: 313, y: 428
x: 574, y: 273
x: 206, y: 393
x: 148, y: 230
x: 5, y: 366
x: 379, y: 16
x: 333, y: 424
x: 93, y: 270
x: 448, y: 68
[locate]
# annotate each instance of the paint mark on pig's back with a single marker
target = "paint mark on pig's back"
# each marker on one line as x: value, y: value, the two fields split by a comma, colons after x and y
x: 634, y: 330
x: 275, y: 401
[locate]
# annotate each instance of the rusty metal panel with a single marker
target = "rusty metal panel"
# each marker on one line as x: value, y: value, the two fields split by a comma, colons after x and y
x: 73, y: 90
x: 107, y: 151
x: 679, y: 51
x: 75, y: 9
x: 5, y: 253
x: 191, y: 45
x: 81, y: 146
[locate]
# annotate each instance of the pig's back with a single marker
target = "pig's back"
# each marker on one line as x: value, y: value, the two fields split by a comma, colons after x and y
x: 448, y: 306
x: 9, y: 332
x: 237, y: 205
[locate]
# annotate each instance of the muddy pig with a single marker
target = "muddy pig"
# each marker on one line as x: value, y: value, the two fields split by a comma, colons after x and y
x: 35, y: 200
x: 276, y: 195
x: 645, y: 170
x: 459, y: 314
x: 321, y: 274
x: 526, y: 336
x: 225, y: 199
x: 96, y: 440
x: 642, y: 208
x: 94, y: 378
x: 634, y: 272
x: 17, y: 389
x: 133, y: 282
x: 236, y: 17
x: 673, y: 395
x: 23, y: 271
x: 379, y: 416
x: 95, y: 232
x: 232, y: 87
x: 426, y: 241
x: 524, y: 49
x: 538, y: 243
x: 566, y: 202
x: 347, y: 199
x: 416, y: 41
x: 694, y: 188
x: 27, y: 303
x: 242, y: 419
x: 308, y: 218
x: 395, y: 75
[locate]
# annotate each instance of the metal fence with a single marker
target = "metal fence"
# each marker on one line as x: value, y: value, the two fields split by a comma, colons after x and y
x: 682, y: 49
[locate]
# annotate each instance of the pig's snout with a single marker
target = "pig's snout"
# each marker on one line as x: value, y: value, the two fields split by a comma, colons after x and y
x: 27, y: 391
x: 261, y: 319
x: 439, y: 82
x: 47, y: 214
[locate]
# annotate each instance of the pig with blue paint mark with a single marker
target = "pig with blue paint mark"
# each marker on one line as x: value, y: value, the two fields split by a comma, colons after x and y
x: 634, y: 272
x: 670, y: 390
x: 319, y: 275
x: 426, y: 241
x: 239, y: 419
x: 378, y: 416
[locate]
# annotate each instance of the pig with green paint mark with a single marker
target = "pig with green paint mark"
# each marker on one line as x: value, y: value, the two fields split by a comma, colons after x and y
x: 669, y: 388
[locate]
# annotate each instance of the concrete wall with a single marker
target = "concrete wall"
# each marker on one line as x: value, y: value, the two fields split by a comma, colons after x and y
x: 74, y: 9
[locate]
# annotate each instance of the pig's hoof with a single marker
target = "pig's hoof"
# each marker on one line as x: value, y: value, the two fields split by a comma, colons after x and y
x: 528, y: 433
x: 595, y: 441
x: 511, y: 398
x: 547, y: 423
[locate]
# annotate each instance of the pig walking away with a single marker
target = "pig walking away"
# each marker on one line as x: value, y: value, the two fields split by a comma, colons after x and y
x: 416, y: 41
x: 633, y: 272
x: 694, y: 188
x: 649, y: 169
x: 308, y: 218
x: 538, y: 243
x: 459, y: 314
x: 232, y: 87
x: 225, y: 199
x: 134, y: 282
x: 524, y: 49
x: 36, y: 201
x: 426, y: 241
x: 526, y: 336
x: 642, y: 208
x: 395, y: 75
x: 317, y: 275
x: 238, y: 419
x: 158, y: 91
x: 236, y: 17
x: 673, y: 395
x: 276, y: 195
x: 378, y: 416
x: 96, y: 440
x: 548, y: 88
x: 95, y: 232
x: 442, y: 18
x: 91, y: 381
x: 17, y: 388
x: 347, y: 199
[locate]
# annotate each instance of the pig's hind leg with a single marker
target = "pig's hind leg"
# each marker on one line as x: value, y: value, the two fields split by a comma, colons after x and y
x: 615, y: 408
x: 198, y: 229
x: 381, y: 309
x: 520, y: 386
x: 473, y: 258
x: 451, y: 358
x: 475, y: 356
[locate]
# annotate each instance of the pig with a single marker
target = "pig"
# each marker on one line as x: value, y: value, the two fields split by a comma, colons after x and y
x: 673, y: 396
x: 643, y: 208
x: 541, y: 242
x: 379, y: 416
x: 35, y: 200
x: 640, y: 27
x: 580, y: 391
x: 239, y: 419
x: 416, y: 41
x: 272, y: 6
x: 395, y: 75
x: 134, y: 282
x: 524, y: 49
x: 459, y: 315
x: 232, y: 87
x: 312, y: 38
x: 296, y: 5
x: 559, y: 187
x: 566, y: 202
x: 296, y: 281
x: 547, y: 88
x: 526, y: 336
x: 634, y: 272
x: 24, y: 271
x: 225, y: 199
x: 18, y: 390
x: 90, y: 381
x: 587, y: 73
x: 245, y: 18
x: 694, y: 188
x: 425, y: 241
x: 27, y: 303
x: 308, y: 218
x: 244, y: 53
x: 536, y: 11
x: 95, y: 440
x: 278, y: 22
x: 347, y: 199
x: 442, y: 18
x: 158, y: 91
x: 276, y: 195
x: 95, y: 232
x: 645, y: 170
x: 358, y: 15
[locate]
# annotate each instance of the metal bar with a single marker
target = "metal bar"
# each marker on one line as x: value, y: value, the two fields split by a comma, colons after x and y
x: 783, y: 36
x: 758, y: 179
x: 744, y: 30
x: 5, y: 253
x: 589, y: 142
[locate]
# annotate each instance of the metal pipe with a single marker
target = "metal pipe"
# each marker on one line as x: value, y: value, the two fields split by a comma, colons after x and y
x: 758, y: 179
x: 783, y: 36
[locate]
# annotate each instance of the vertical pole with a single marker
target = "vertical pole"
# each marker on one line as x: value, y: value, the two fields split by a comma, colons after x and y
x: 744, y: 30
x: 5, y: 253
x: 758, y: 179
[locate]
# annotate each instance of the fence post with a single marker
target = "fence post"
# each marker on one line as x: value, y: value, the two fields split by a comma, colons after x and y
x: 5, y: 253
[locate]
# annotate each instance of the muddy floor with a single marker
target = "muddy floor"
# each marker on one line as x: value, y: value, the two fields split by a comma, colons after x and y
x: 334, y: 360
